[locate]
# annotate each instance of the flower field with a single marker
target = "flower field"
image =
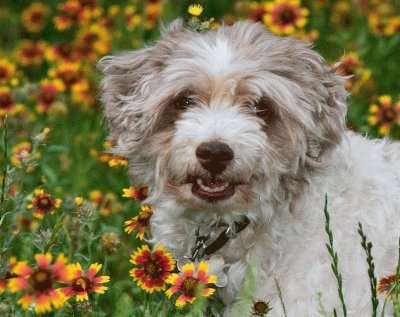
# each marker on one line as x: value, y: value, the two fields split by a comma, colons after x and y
x: 74, y: 236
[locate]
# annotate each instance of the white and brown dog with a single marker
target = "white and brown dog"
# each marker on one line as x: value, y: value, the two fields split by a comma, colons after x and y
x: 239, y: 127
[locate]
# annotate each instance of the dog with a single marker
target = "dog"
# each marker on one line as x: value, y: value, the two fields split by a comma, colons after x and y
x: 241, y: 134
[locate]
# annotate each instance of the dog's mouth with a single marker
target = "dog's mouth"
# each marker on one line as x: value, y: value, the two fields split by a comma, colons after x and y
x: 212, y: 189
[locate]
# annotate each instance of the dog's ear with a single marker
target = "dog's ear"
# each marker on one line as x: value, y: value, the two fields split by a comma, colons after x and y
x: 324, y: 89
x: 124, y: 91
x: 129, y: 89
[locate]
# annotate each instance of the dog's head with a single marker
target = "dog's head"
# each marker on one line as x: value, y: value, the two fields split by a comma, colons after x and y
x: 219, y: 120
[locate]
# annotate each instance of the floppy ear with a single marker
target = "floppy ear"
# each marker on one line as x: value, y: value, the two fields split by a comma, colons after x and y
x: 124, y: 91
x: 324, y: 89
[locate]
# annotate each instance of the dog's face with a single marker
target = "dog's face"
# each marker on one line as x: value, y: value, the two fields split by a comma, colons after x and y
x: 220, y: 120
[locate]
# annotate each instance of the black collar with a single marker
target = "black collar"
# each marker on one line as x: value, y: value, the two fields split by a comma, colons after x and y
x: 201, y: 247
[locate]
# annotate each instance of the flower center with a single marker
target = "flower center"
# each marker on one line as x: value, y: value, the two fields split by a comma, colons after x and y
x: 153, y: 269
x: 143, y: 219
x: 287, y: 16
x: 189, y: 286
x: 41, y: 280
x: 3, y: 72
x: 388, y: 115
x: 260, y: 307
x: 5, y: 100
x: 81, y: 284
x: 37, y: 17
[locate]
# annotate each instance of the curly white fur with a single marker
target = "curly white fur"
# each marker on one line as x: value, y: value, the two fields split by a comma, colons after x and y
x: 286, y: 159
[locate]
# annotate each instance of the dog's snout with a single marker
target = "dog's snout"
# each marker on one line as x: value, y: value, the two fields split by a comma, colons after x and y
x: 214, y: 156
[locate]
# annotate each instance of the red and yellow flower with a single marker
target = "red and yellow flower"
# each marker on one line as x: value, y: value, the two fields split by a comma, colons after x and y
x: 69, y: 73
x: 7, y: 104
x: 24, y: 223
x: 47, y: 93
x: 42, y: 203
x: 39, y: 283
x: 30, y: 53
x: 83, y: 93
x: 189, y: 283
x: 141, y: 221
x: 4, y: 278
x: 154, y: 268
x: 138, y: 193
x: 81, y: 285
x: 7, y: 71
x: 93, y: 41
x: 34, y: 17
x: 22, y: 154
x: 386, y: 285
x: 384, y: 114
x: 76, y: 12
x: 106, y: 203
x: 285, y: 17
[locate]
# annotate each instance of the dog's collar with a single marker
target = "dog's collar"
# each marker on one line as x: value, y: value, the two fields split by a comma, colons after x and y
x: 204, y: 247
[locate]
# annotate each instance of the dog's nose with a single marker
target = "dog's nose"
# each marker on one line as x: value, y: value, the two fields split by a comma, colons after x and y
x: 214, y: 156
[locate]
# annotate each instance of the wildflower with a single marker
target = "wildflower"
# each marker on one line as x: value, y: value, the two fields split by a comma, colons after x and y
x: 131, y: 18
x: 110, y: 242
x: 141, y: 221
x: 39, y: 283
x: 22, y: 154
x: 42, y: 204
x: 7, y: 103
x: 78, y: 201
x: 30, y: 53
x: 260, y: 308
x: 106, y: 203
x: 257, y: 12
x: 7, y: 71
x: 5, y: 277
x: 386, y: 285
x: 342, y: 13
x: 68, y: 73
x: 43, y: 135
x: 393, y: 26
x: 138, y: 193
x: 34, y: 17
x: 81, y: 285
x: 384, y: 114
x: 117, y: 161
x: 284, y: 17
x: 70, y: 12
x: 152, y: 13
x: 24, y: 223
x: 64, y: 52
x: 83, y: 93
x: 195, y: 9
x: 155, y: 268
x: 47, y: 93
x: 93, y: 41
x: 189, y: 283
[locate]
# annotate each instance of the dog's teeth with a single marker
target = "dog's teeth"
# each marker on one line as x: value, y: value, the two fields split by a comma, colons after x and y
x: 212, y: 189
x: 199, y: 182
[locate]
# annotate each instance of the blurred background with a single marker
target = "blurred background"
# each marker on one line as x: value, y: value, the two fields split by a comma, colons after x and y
x: 53, y: 134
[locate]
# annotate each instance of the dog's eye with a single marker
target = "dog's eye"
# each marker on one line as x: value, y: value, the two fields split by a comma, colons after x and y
x: 182, y: 103
x: 262, y: 108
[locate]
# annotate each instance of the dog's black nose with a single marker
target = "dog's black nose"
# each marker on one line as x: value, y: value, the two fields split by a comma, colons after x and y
x: 214, y: 156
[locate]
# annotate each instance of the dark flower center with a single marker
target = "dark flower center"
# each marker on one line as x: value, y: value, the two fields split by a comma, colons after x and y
x: 41, y: 280
x: 3, y: 72
x: 37, y: 17
x: 6, y: 100
x: 260, y: 307
x: 81, y: 284
x: 388, y: 115
x: 153, y: 269
x: 143, y: 219
x: 44, y: 203
x: 287, y: 16
x: 189, y: 286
